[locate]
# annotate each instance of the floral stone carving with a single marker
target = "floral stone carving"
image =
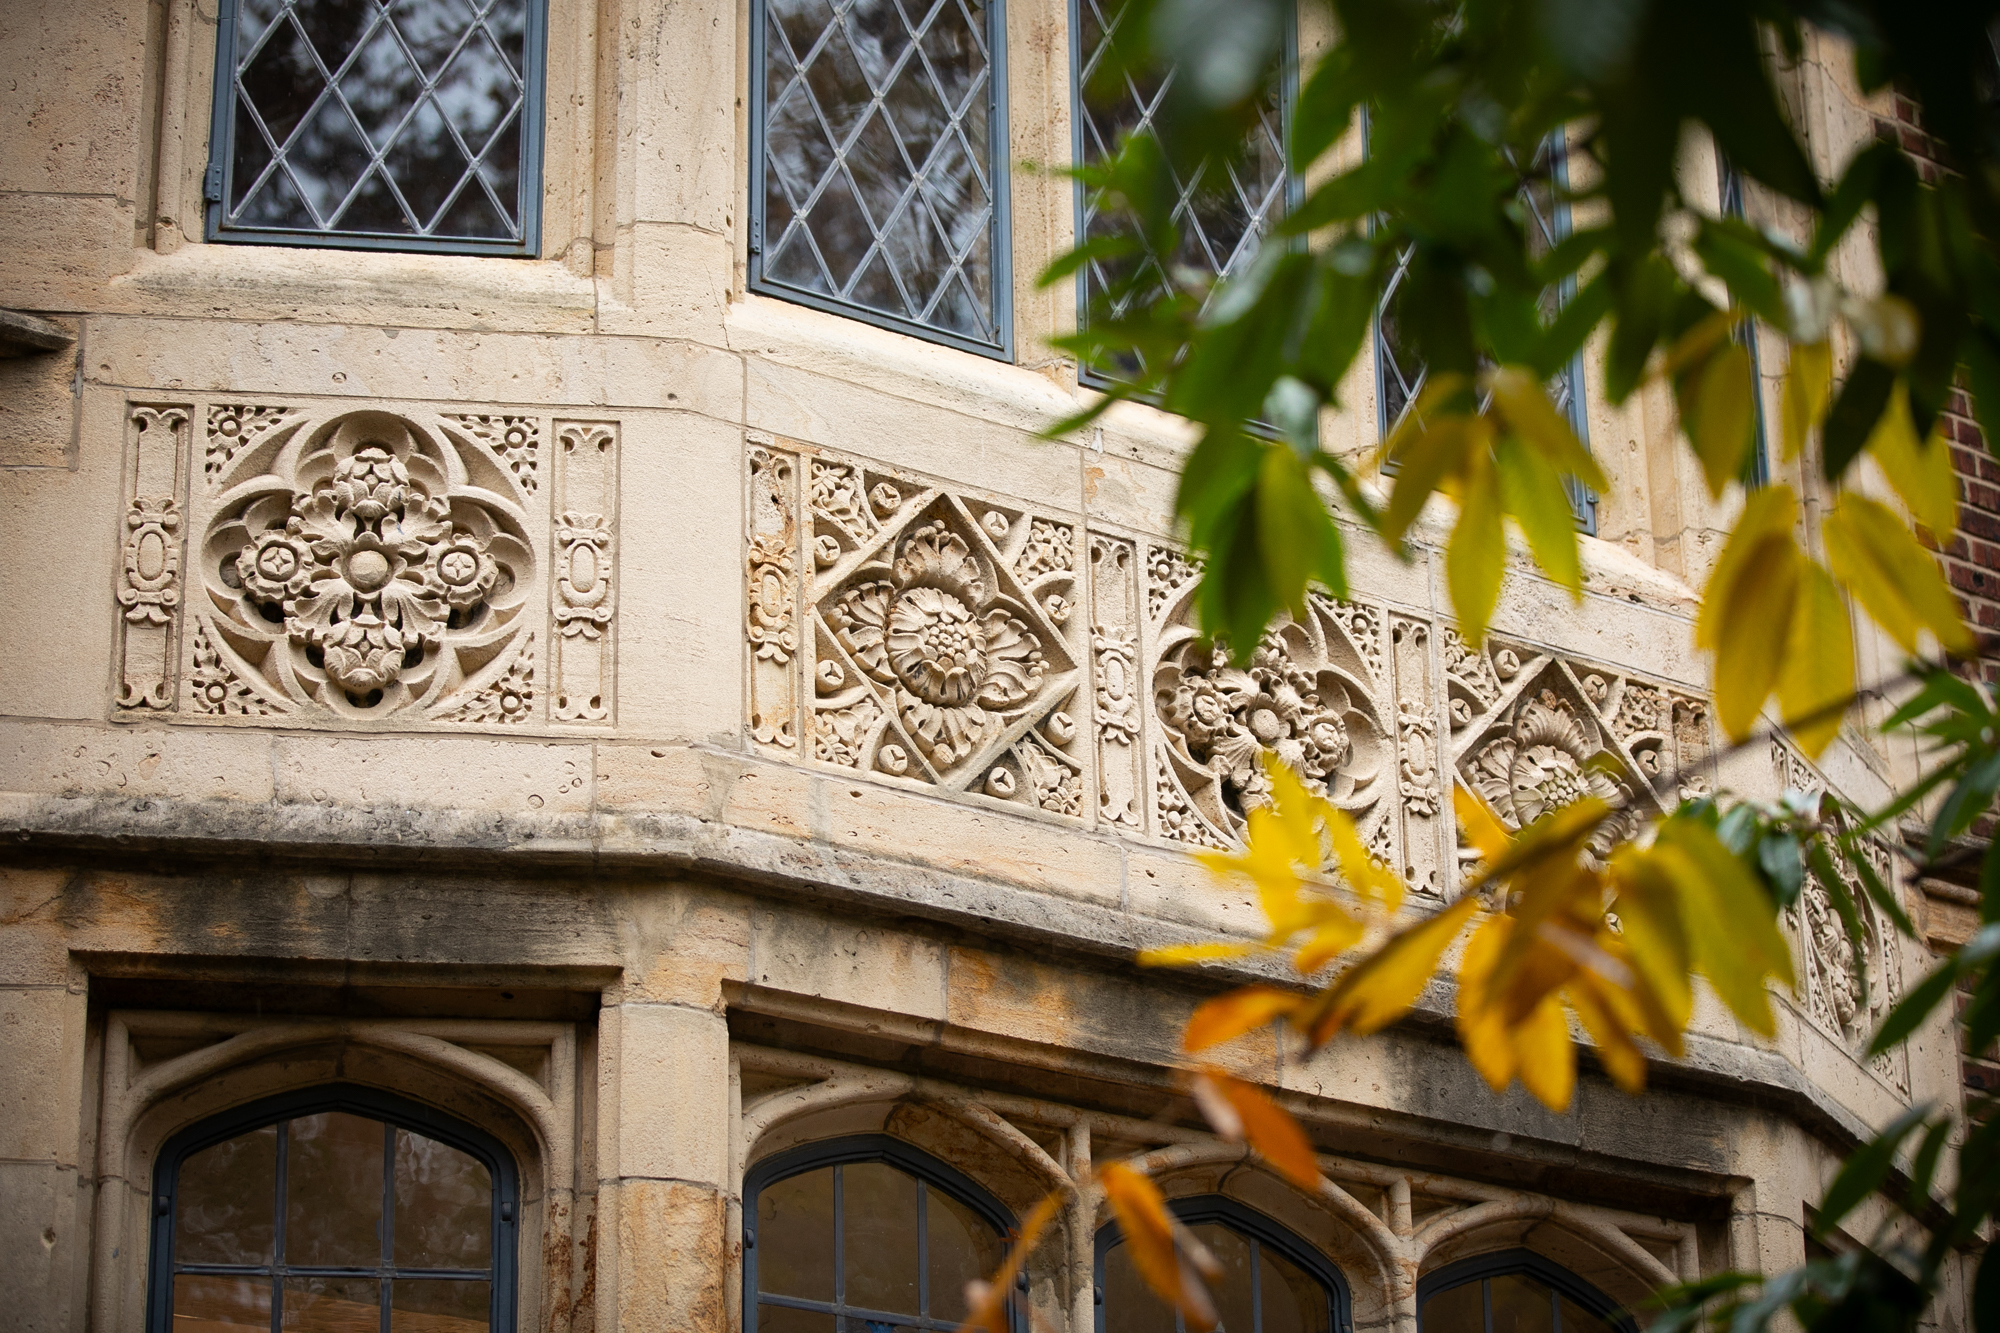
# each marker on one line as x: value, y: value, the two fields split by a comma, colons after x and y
x: 1302, y: 695
x: 935, y: 658
x: 371, y: 567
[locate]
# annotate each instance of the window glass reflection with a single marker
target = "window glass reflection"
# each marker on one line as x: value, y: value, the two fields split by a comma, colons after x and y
x: 1260, y: 1290
x: 1517, y: 1301
x: 869, y: 1245
x: 878, y: 161
x: 399, y: 120
x: 384, y: 1230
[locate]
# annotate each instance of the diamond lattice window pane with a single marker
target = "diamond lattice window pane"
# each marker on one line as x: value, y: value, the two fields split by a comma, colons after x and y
x: 394, y: 122
x: 1221, y: 214
x: 1401, y: 372
x: 879, y: 181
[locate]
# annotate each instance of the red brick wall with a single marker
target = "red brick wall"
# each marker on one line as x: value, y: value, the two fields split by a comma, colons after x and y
x: 1971, y: 559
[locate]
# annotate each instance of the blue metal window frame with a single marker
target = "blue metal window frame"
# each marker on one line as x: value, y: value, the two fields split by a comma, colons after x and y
x: 848, y: 1151
x: 1583, y: 500
x: 1729, y: 186
x: 218, y: 180
x: 1560, y: 1281
x: 1246, y: 1222
x: 354, y: 1099
x: 1288, y: 94
x: 1003, y: 224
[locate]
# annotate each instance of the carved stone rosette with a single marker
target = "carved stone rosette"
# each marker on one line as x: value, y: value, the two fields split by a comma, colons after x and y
x: 938, y: 643
x: 1532, y: 732
x: 362, y: 566
x: 1307, y: 693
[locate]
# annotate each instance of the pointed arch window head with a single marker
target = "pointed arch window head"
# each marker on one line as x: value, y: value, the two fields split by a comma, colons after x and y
x: 1272, y: 1281
x: 864, y: 1235
x: 1514, y: 1291
x: 337, y: 1210
x: 378, y: 124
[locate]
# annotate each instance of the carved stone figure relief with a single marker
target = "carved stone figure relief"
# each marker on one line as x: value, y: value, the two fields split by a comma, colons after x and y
x: 150, y: 592
x: 1830, y: 961
x: 363, y: 566
x: 941, y: 642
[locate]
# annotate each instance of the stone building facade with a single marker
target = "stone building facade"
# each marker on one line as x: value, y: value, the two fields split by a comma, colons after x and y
x: 658, y: 734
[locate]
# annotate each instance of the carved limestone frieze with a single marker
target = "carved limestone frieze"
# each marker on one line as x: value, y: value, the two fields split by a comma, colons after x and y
x: 1830, y: 960
x: 1532, y: 731
x: 938, y: 642
x: 150, y: 594
x: 233, y: 427
x: 1307, y: 693
x: 364, y: 566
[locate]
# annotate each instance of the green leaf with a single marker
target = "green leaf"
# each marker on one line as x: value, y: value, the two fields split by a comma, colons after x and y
x: 1982, y: 373
x: 1865, y: 1169
x: 1971, y: 798
x: 1519, y: 395
x: 1642, y: 301
x: 1911, y: 1011
x: 1719, y: 413
x: 1295, y: 535
x: 1862, y: 400
x: 1779, y: 858
x: 1432, y: 451
x: 1533, y: 493
x: 1871, y: 883
x: 1731, y: 922
x: 1476, y: 557
x: 1857, y: 186
x: 1110, y: 245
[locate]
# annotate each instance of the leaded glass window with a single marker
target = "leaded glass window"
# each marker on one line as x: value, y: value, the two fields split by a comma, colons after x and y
x: 880, y: 164
x: 1757, y: 471
x: 1399, y: 369
x: 385, y: 124
x: 336, y: 1210
x: 864, y: 1235
x: 1272, y: 1281
x: 1514, y: 1291
x: 1222, y: 214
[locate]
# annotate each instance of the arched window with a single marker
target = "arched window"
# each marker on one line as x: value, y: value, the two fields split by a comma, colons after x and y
x: 864, y: 1235
x: 337, y: 1209
x: 1514, y: 1291
x: 1272, y: 1282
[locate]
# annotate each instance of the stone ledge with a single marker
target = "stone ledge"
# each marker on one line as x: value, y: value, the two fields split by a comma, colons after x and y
x: 414, y: 838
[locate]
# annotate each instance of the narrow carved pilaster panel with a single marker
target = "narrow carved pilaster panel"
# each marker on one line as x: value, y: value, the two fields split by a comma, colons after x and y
x: 772, y: 607
x: 1418, y: 758
x: 1114, y: 650
x: 583, y: 558
x: 149, y: 576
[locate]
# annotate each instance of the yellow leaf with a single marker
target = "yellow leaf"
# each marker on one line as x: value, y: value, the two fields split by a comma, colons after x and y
x: 1722, y: 424
x: 1363, y: 873
x: 1694, y: 346
x: 1524, y: 402
x: 1377, y: 990
x: 1544, y: 1058
x: 1477, y: 554
x: 1877, y: 559
x: 1229, y: 1016
x: 1550, y: 886
x: 1327, y: 943
x: 986, y: 1302
x: 1623, y: 1059
x: 1150, y: 1239
x: 1179, y: 955
x: 1482, y: 1030
x: 1808, y: 386
x: 1766, y: 510
x: 1731, y: 923
x: 1270, y: 1129
x: 1435, y: 451
x: 1648, y: 908
x: 1921, y: 472
x: 1556, y: 837
x: 1534, y: 494
x: 1750, y: 648
x: 1483, y: 828
x: 1416, y: 419
x: 1818, y: 674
